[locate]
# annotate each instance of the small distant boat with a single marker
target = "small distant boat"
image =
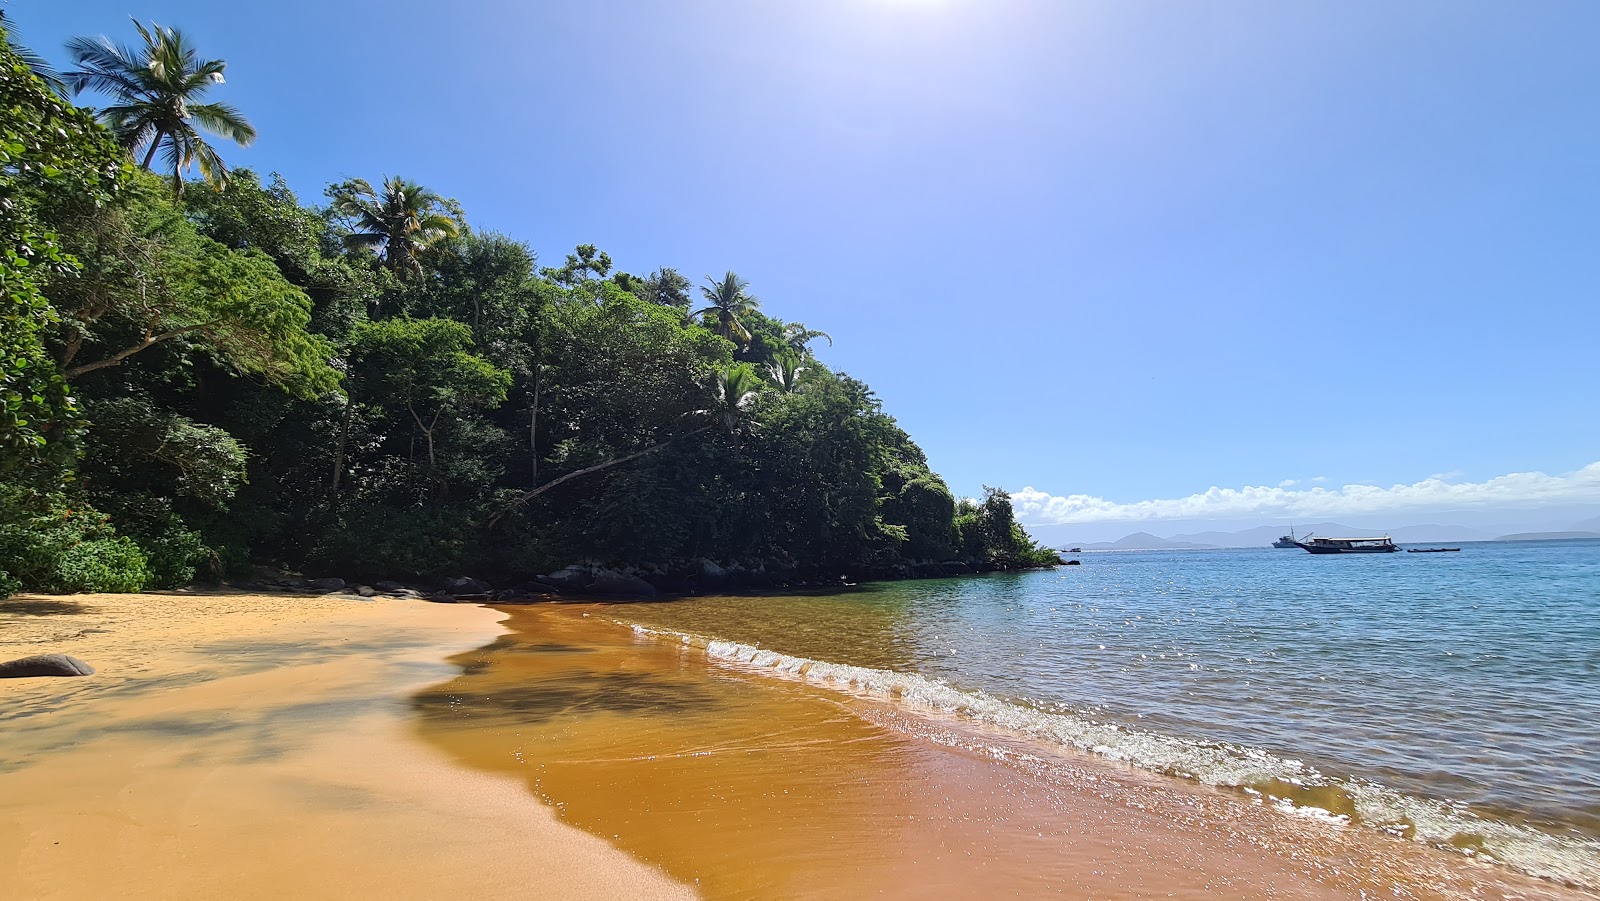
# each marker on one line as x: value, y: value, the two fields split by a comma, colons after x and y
x: 1432, y: 550
x: 1074, y: 550
x: 1287, y: 541
x: 1348, y: 545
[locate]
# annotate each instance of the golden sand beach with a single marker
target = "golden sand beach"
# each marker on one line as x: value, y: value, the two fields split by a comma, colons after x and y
x: 292, y: 746
x: 236, y: 746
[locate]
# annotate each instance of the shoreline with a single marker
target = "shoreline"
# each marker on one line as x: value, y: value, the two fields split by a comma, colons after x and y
x: 336, y: 746
x: 239, y: 745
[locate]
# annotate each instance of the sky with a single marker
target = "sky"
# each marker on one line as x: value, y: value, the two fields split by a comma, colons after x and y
x: 1131, y: 260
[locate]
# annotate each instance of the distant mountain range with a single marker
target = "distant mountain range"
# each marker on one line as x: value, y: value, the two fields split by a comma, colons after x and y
x: 1263, y: 536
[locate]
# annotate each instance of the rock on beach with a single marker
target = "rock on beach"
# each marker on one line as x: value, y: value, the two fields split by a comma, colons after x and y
x: 45, y: 665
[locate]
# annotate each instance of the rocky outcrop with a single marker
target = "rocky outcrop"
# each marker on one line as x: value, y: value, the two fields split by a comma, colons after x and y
x: 571, y: 579
x: 331, y: 583
x: 45, y: 665
x: 618, y: 584
x: 461, y: 585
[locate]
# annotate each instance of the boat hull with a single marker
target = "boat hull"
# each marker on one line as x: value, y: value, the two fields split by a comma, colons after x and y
x: 1332, y: 548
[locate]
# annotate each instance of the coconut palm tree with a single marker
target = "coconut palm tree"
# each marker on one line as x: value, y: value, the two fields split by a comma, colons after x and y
x: 797, y: 336
x: 733, y: 389
x: 729, y: 298
x: 155, y: 91
x: 787, y: 373
x: 400, y: 223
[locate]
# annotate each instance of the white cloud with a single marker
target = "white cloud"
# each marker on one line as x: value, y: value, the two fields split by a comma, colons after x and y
x: 1518, y: 489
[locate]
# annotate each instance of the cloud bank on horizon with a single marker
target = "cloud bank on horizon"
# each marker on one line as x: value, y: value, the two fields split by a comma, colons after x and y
x: 1517, y: 489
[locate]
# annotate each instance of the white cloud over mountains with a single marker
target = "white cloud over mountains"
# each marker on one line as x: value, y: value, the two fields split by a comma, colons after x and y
x: 1518, y: 489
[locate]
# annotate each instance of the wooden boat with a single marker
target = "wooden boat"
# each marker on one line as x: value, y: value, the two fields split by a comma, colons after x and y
x: 1432, y: 550
x: 1287, y: 541
x: 1348, y: 545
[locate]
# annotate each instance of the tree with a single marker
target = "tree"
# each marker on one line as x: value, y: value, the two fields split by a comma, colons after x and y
x: 400, y: 224
x: 426, y: 367
x: 586, y: 262
x: 798, y: 337
x: 47, y: 148
x: 150, y: 280
x: 155, y: 92
x: 729, y: 299
x: 733, y: 389
x: 787, y: 373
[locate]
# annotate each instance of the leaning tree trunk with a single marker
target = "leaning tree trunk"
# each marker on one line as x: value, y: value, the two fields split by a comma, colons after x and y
x: 151, y: 153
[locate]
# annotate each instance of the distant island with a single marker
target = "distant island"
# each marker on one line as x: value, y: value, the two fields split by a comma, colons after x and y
x: 1263, y: 536
x: 1548, y: 536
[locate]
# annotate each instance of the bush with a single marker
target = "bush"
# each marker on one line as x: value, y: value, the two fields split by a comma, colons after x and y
x: 178, y: 557
x: 102, y: 564
x: 47, y: 544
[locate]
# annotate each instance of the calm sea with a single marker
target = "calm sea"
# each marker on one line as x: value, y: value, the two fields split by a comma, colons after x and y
x: 1452, y: 699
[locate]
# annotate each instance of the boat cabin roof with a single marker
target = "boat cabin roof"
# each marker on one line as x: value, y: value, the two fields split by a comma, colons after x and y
x: 1378, y: 538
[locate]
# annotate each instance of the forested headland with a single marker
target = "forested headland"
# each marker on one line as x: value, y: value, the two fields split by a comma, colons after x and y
x: 201, y: 372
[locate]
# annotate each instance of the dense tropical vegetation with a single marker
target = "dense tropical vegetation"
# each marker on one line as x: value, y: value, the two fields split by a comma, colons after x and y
x: 196, y: 381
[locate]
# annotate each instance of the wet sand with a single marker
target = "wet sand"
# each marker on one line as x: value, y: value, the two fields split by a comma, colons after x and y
x: 238, y: 746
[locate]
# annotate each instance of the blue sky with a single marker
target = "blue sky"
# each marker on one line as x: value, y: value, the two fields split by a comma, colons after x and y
x: 1124, y: 250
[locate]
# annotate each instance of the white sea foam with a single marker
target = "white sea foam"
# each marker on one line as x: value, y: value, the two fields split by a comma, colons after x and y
x: 1272, y: 778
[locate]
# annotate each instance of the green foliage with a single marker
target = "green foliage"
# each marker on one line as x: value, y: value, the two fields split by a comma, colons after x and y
x: 988, y: 531
x: 150, y: 281
x: 46, y: 147
x: 48, y: 544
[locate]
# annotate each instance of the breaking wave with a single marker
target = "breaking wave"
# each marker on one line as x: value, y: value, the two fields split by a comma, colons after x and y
x: 1285, y: 783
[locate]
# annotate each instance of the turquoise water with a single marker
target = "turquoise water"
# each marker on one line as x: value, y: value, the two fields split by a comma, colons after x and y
x: 1452, y: 699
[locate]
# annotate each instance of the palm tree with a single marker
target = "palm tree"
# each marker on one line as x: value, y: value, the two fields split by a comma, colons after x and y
x: 797, y: 336
x: 401, y: 223
x: 156, y: 91
x: 729, y: 298
x: 733, y: 389
x: 787, y: 373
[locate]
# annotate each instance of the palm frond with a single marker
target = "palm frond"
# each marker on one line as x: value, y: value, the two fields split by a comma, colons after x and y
x: 223, y: 119
x: 41, y: 67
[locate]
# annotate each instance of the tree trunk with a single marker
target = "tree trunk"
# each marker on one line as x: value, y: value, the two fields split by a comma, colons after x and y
x: 151, y: 153
x: 598, y: 467
x: 344, y: 434
x: 533, y: 428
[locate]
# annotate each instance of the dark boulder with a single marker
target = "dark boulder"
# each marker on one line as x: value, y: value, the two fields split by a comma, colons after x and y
x: 708, y: 575
x: 332, y: 583
x: 1072, y: 563
x: 389, y: 587
x: 572, y: 578
x: 466, y: 585
x: 365, y: 591
x: 45, y: 665
x: 615, y: 583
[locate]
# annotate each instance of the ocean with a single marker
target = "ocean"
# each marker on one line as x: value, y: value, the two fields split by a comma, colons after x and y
x: 1446, y: 701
